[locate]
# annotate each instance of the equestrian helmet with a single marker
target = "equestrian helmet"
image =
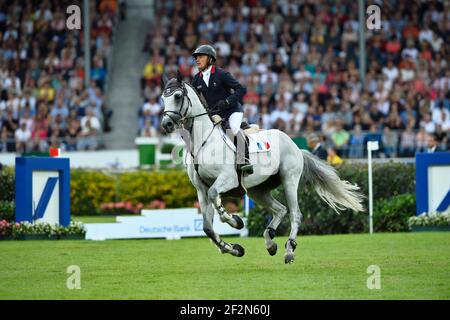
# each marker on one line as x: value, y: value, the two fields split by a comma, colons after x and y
x: 206, y: 50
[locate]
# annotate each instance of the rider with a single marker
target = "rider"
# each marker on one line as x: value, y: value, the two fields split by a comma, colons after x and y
x: 216, y: 86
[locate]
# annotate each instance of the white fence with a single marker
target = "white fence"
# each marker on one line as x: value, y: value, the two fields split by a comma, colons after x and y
x: 166, y: 223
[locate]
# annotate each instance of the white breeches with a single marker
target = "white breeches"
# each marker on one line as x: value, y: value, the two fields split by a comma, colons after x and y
x: 235, y: 121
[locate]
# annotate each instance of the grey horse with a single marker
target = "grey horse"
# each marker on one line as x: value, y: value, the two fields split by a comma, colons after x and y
x: 212, y: 171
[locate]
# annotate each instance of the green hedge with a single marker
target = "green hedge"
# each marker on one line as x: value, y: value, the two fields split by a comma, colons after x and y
x: 89, y: 189
x: 171, y: 186
x: 390, y: 180
x: 7, y: 194
x: 7, y: 184
x: 391, y: 215
x: 7, y: 210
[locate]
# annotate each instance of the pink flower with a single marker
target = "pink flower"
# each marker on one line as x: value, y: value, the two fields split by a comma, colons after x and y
x: 119, y: 205
x: 128, y: 206
x: 157, y: 204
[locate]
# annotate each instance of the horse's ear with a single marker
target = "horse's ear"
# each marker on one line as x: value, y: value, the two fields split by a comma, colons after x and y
x: 164, y: 79
x: 179, y: 76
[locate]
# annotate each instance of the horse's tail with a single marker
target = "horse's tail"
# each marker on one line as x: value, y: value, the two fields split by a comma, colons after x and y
x: 338, y: 194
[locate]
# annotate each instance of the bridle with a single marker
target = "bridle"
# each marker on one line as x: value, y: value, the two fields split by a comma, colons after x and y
x: 182, y: 115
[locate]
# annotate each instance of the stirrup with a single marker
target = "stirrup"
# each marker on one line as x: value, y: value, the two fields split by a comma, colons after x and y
x: 246, y: 169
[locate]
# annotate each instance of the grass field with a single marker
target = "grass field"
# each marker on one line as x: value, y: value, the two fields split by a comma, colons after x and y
x: 413, y: 266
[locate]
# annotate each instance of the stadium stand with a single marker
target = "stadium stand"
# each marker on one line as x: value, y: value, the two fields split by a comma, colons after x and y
x: 299, y: 61
x: 43, y: 99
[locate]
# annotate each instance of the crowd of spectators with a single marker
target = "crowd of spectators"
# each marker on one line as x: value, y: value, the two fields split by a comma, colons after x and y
x: 300, y: 63
x: 43, y: 99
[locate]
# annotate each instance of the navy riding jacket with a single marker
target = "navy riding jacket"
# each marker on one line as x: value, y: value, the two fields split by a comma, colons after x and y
x: 221, y: 86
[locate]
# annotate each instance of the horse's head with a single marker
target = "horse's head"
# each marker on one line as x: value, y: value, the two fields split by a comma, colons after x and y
x: 177, y: 106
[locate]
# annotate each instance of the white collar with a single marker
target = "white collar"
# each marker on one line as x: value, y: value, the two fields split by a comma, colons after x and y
x: 206, y: 75
x: 207, y: 72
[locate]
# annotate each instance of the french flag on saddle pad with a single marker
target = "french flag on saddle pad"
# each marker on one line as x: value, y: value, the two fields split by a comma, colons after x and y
x: 263, y: 146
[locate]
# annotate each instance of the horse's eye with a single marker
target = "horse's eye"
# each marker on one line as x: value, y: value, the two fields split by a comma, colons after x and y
x: 177, y: 96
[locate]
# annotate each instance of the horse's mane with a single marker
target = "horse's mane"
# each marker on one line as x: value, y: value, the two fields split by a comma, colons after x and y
x: 200, y: 96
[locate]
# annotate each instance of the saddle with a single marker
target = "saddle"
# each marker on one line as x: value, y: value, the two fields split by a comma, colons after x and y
x: 245, y: 128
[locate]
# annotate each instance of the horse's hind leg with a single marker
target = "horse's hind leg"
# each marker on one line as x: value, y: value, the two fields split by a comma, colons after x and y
x: 264, y: 198
x: 290, y: 184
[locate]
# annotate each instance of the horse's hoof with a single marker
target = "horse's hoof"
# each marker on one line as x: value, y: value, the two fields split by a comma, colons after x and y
x: 238, y: 251
x: 239, y: 222
x: 273, y: 249
x: 289, y: 258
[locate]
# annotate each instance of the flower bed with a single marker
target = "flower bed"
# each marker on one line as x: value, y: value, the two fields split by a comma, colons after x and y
x: 433, y: 221
x: 40, y: 231
x: 126, y: 207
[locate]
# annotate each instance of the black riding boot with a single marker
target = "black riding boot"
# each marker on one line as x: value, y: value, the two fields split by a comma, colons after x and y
x: 242, y: 156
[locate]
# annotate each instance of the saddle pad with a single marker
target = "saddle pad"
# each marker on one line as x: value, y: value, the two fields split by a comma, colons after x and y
x: 258, y: 141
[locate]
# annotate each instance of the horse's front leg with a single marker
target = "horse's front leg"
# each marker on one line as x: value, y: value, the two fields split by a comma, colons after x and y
x: 224, y: 247
x: 208, y: 219
x: 224, y: 183
x: 207, y: 210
